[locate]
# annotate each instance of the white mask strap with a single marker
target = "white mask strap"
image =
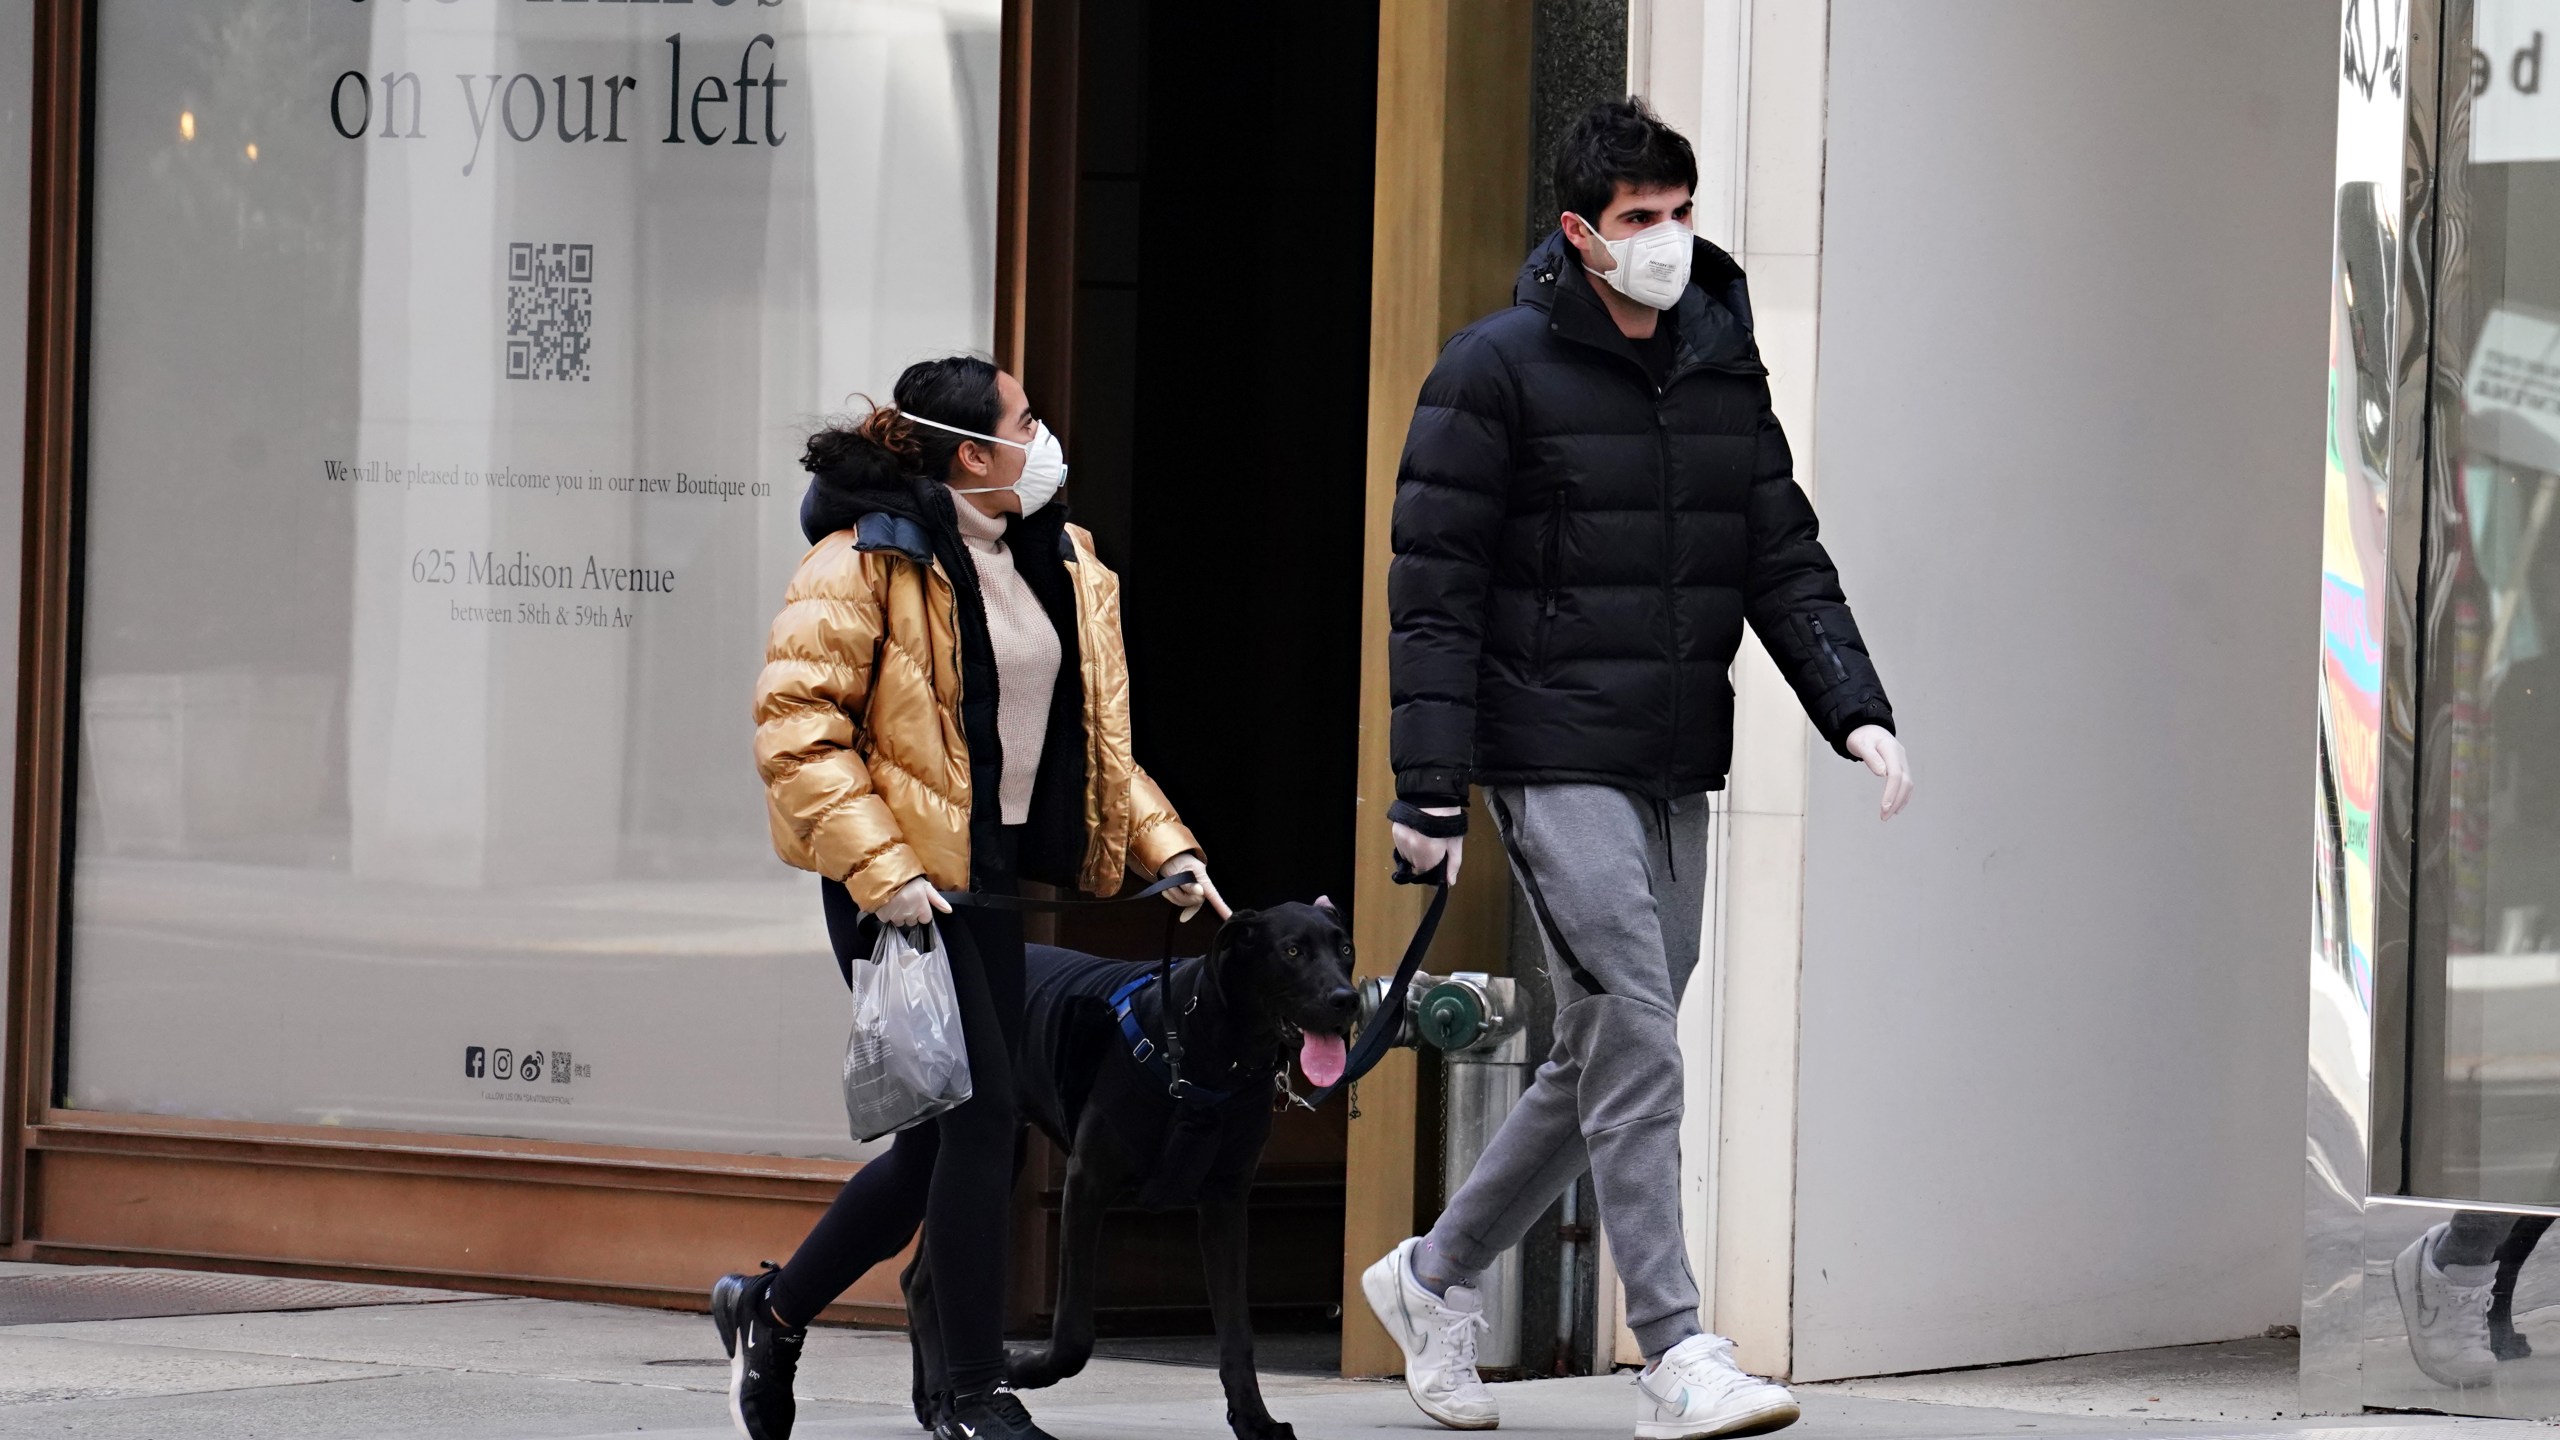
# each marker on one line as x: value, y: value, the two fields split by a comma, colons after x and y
x: 972, y: 434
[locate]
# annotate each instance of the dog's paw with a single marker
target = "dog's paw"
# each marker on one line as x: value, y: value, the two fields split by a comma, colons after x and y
x: 1264, y: 1429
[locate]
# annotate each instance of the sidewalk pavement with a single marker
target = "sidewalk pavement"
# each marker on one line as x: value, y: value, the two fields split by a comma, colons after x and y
x: 385, y: 1364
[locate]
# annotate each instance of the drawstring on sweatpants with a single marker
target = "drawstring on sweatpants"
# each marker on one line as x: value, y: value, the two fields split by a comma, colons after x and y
x: 1670, y: 846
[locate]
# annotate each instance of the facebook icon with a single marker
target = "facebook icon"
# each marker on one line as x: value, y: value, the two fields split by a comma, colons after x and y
x: 475, y: 1061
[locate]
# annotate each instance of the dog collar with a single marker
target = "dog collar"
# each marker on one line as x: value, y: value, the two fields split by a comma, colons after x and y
x: 1150, y: 1055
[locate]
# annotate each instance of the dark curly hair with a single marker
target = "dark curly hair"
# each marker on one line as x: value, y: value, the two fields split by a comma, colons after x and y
x: 882, y: 450
x: 1619, y: 140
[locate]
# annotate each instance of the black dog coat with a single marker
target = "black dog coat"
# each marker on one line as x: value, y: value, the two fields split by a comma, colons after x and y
x: 1073, y: 1055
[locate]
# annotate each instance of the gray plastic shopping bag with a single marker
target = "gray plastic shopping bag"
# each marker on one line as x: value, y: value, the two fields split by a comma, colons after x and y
x: 906, y: 1061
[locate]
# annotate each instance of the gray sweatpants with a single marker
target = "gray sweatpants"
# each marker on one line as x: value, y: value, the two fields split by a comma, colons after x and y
x: 1621, y: 938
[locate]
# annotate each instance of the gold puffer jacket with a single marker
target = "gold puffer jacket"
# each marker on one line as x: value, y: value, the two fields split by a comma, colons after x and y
x: 859, y: 735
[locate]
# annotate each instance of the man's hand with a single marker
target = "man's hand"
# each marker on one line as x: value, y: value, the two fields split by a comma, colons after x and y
x: 1189, y: 898
x: 1422, y: 853
x: 912, y: 904
x: 1884, y: 755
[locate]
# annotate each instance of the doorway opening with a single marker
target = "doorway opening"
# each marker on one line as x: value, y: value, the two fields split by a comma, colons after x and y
x: 1185, y: 293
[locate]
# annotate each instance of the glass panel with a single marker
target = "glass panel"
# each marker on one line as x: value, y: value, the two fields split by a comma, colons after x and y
x: 2484, y: 1011
x: 450, y: 365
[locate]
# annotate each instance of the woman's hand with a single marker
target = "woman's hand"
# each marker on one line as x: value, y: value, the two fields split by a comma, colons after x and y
x: 1189, y: 898
x: 1883, y: 753
x: 913, y: 904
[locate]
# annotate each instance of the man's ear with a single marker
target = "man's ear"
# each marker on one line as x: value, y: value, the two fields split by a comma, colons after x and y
x: 1585, y: 240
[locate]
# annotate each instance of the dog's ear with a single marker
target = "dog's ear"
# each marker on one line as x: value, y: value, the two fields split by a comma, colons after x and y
x: 1325, y: 904
x: 1230, y: 930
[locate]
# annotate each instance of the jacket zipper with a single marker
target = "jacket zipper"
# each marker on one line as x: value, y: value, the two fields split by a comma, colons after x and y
x: 1550, y: 564
x: 1822, y: 637
x: 1670, y: 585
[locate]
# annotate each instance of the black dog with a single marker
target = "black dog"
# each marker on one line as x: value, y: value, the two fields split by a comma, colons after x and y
x: 1274, y: 982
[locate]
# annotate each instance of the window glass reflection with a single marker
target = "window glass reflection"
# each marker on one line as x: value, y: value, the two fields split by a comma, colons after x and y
x: 2484, y: 1051
x: 449, y: 367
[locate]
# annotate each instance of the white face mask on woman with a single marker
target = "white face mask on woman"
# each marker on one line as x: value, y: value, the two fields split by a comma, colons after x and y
x: 1652, y: 265
x: 1044, y: 463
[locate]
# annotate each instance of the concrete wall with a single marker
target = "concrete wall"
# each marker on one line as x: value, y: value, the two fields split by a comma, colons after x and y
x: 2075, y: 259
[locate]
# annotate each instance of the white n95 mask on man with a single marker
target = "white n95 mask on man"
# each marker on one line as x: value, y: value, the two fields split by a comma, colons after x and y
x: 1652, y: 265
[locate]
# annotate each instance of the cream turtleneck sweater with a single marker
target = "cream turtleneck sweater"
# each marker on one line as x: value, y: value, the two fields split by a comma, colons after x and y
x: 1026, y: 651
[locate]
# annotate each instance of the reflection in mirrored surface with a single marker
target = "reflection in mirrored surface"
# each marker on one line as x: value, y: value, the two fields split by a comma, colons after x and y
x: 2376, y: 382
x: 2462, y: 1310
x: 2483, y: 1017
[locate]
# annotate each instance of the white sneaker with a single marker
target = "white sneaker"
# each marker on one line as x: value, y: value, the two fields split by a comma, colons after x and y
x: 1438, y: 1334
x: 2448, y: 1322
x: 1694, y: 1390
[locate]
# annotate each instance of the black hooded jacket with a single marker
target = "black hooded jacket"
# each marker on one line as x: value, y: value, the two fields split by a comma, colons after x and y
x: 916, y: 520
x: 1576, y: 553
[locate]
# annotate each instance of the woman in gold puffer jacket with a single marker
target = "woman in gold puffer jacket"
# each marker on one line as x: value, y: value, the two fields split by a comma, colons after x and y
x: 944, y: 705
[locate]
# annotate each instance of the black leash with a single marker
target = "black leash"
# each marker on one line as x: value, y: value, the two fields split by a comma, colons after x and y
x: 1175, y: 1085
x: 1383, y: 1027
x: 1174, y: 881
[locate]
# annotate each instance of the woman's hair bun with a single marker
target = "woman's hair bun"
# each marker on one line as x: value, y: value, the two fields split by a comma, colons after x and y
x: 876, y: 450
x: 892, y: 431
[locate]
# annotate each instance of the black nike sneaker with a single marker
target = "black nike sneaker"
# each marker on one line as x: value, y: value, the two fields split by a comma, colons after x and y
x: 763, y: 1356
x: 995, y: 1415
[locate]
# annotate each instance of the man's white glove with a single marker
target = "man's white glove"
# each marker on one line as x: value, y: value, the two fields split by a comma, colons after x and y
x: 1189, y: 898
x: 912, y: 904
x: 1884, y: 755
x: 1423, y: 853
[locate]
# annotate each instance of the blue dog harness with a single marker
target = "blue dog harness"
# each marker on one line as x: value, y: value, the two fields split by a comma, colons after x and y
x: 1143, y: 1048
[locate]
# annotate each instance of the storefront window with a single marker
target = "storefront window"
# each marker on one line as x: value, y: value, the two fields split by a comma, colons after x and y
x: 449, y: 364
x: 2484, y: 1020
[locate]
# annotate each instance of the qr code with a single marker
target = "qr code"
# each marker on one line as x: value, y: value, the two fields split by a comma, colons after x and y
x: 551, y: 310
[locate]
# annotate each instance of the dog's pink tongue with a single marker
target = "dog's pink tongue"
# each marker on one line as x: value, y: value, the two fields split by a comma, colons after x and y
x: 1323, y: 1057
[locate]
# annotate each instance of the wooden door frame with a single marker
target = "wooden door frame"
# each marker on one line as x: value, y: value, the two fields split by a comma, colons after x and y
x: 1452, y: 202
x: 56, y: 191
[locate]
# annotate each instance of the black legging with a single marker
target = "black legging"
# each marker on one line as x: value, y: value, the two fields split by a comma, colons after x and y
x: 955, y: 1174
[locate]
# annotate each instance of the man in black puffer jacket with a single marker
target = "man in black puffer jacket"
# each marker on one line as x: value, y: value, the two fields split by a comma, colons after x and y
x: 1595, y: 498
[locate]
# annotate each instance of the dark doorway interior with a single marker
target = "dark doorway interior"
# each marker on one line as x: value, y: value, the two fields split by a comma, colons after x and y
x: 1220, y: 393
x: 1196, y: 262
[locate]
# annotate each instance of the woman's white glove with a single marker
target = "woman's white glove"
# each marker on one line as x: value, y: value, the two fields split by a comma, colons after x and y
x: 1189, y: 898
x: 1884, y: 755
x: 1422, y: 853
x: 912, y: 904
